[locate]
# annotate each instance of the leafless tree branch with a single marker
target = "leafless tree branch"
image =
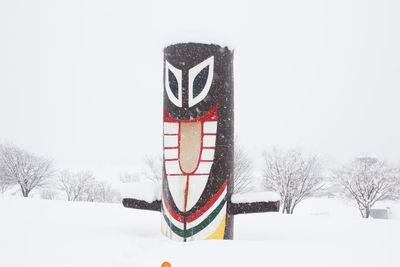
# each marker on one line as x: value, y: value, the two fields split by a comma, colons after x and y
x: 368, y: 180
x: 23, y: 168
x: 295, y: 175
x: 242, y: 169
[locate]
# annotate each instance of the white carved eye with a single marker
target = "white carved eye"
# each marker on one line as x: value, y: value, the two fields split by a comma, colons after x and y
x: 173, y: 84
x: 200, y: 79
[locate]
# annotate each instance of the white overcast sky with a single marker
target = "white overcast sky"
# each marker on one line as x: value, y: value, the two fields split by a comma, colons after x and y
x: 81, y: 81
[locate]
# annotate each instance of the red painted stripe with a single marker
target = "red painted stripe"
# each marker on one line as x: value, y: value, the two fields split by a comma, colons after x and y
x: 186, y: 192
x: 171, y: 134
x: 175, y: 215
x: 206, y: 160
x: 179, y: 147
x: 171, y: 159
x: 181, y: 174
x: 201, y: 150
x: 170, y: 147
x: 210, y: 116
x: 203, y: 209
x: 209, y: 147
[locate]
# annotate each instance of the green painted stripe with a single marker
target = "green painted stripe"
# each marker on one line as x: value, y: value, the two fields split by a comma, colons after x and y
x: 194, y: 230
x: 174, y: 228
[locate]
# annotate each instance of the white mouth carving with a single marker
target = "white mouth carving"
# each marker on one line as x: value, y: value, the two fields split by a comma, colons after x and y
x: 186, y: 188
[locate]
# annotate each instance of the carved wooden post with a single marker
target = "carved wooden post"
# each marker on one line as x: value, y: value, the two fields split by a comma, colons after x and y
x: 198, y: 142
x: 198, y: 146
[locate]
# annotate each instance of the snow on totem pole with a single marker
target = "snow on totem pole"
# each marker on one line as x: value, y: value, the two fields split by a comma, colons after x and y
x: 198, y: 177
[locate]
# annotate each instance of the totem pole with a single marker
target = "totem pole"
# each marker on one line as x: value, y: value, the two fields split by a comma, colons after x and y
x: 198, y: 146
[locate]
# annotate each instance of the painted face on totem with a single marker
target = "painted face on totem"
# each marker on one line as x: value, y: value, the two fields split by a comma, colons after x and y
x: 198, y: 140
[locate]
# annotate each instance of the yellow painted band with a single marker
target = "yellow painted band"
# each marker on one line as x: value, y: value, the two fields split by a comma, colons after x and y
x: 219, y: 233
x: 162, y: 230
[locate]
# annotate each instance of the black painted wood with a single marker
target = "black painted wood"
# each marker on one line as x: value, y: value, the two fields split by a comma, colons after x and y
x: 141, y: 204
x: 254, y: 207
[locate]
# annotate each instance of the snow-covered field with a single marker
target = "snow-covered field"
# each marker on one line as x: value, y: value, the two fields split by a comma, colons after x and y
x: 324, y: 232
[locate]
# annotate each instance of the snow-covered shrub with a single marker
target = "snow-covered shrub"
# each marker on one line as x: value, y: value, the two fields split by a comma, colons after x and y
x: 293, y: 174
x: 368, y: 180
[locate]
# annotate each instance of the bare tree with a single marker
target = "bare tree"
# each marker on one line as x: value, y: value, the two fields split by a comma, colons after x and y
x: 107, y: 193
x: 82, y: 186
x: 48, y: 194
x: 242, y: 169
x: 368, y: 180
x: 129, y: 177
x: 153, y: 168
x: 75, y: 184
x: 4, y: 184
x: 91, y: 192
x: 23, y: 168
x: 293, y: 174
x: 102, y: 191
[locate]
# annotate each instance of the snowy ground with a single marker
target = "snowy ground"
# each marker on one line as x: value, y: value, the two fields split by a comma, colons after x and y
x: 324, y: 232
